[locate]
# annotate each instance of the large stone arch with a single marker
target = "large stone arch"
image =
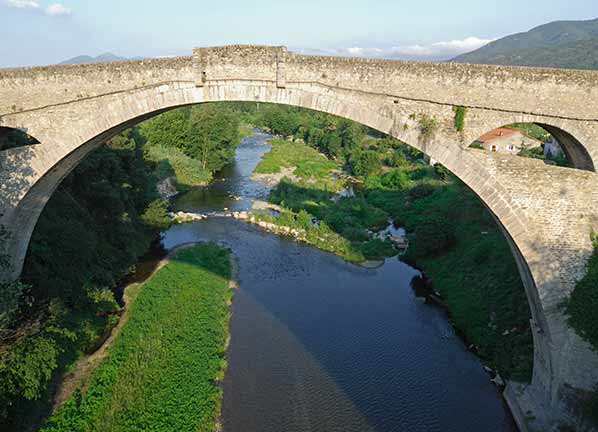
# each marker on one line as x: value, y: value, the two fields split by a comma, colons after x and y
x: 545, y: 211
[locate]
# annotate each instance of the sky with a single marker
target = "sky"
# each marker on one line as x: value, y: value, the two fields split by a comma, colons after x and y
x: 36, y: 32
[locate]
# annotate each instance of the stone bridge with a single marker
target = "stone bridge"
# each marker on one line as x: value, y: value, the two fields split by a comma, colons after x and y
x: 546, y: 212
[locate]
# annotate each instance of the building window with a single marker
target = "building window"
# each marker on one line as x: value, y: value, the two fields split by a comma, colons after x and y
x: 511, y: 147
x: 493, y: 148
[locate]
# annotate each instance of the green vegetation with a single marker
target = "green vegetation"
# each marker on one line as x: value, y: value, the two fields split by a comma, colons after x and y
x: 308, y: 162
x: 319, y: 234
x: 532, y: 130
x: 88, y: 237
x: 458, y: 244
x: 92, y: 232
x: 97, y: 224
x: 427, y: 127
x: 177, y: 140
x: 590, y: 406
x: 460, y: 118
x: 172, y: 162
x: 582, y: 304
x: 449, y: 229
x: 163, y: 370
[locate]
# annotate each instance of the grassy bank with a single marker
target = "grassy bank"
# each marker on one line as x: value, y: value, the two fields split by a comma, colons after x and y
x: 172, y: 162
x: 309, y: 165
x: 161, y: 373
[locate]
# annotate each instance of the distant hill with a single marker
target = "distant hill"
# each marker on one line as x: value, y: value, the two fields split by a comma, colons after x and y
x: 567, y: 44
x: 106, y: 57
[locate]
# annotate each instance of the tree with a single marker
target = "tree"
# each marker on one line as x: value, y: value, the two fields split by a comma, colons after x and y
x: 366, y: 163
x: 212, y: 137
x: 168, y: 129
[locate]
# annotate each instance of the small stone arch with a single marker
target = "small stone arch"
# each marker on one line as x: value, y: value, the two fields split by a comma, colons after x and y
x: 574, y: 150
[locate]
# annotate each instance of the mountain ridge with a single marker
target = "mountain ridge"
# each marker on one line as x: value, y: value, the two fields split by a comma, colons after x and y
x: 105, y: 57
x: 565, y: 44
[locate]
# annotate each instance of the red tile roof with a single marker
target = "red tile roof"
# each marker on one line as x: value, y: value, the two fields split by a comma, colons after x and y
x: 501, y: 132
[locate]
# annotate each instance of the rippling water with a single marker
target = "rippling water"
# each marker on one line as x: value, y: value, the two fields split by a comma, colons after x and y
x: 322, y: 345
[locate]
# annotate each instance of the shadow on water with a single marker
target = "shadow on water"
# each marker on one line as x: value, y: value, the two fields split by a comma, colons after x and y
x: 322, y: 345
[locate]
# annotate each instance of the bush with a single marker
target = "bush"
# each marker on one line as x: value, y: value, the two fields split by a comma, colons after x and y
x: 377, y: 249
x: 156, y: 215
x: 396, y: 179
x: 428, y: 125
x: 583, y: 303
x: 421, y: 190
x: 441, y: 171
x: 366, y: 163
x: 433, y: 236
x: 460, y: 118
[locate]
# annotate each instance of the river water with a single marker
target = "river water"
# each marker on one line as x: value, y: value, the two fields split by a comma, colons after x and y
x: 318, y: 344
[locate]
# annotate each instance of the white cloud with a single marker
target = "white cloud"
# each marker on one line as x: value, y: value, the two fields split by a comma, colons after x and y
x: 444, y: 49
x: 438, y: 51
x: 57, y: 9
x: 23, y: 4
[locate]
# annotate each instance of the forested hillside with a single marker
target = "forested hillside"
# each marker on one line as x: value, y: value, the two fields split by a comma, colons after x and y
x: 566, y: 44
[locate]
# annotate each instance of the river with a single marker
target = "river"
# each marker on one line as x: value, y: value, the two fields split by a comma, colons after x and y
x: 318, y: 344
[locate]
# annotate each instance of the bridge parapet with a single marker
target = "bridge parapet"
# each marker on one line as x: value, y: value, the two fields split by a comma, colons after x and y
x: 545, y: 211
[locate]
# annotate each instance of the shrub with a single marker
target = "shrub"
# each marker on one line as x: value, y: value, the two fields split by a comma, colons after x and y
x: 377, y: 249
x: 441, y: 171
x: 156, y: 215
x: 366, y: 163
x: 433, y: 235
x: 421, y: 190
x: 396, y: 179
x: 460, y: 118
x: 427, y: 127
x: 583, y: 303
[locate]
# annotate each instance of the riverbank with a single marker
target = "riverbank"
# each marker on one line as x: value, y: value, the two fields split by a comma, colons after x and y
x: 452, y: 238
x: 171, y: 349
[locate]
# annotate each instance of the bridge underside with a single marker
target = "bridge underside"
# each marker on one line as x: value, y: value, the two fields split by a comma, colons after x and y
x: 545, y: 211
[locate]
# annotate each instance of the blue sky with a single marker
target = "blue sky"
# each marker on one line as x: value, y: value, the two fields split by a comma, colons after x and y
x: 47, y: 31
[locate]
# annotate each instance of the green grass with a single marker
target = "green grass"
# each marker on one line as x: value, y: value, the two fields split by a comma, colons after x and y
x: 319, y: 235
x: 172, y: 161
x: 308, y: 162
x: 245, y: 131
x: 161, y: 373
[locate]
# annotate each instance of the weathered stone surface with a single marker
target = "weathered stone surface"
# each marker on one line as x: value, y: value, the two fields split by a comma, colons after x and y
x: 545, y: 211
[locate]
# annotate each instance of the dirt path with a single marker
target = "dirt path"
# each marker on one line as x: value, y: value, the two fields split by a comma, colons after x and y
x: 84, y: 367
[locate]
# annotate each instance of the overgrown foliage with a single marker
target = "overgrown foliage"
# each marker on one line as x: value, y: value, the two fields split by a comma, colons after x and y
x: 452, y: 236
x: 583, y: 302
x: 428, y: 125
x: 207, y: 133
x: 161, y: 373
x: 97, y: 224
x: 459, y: 121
